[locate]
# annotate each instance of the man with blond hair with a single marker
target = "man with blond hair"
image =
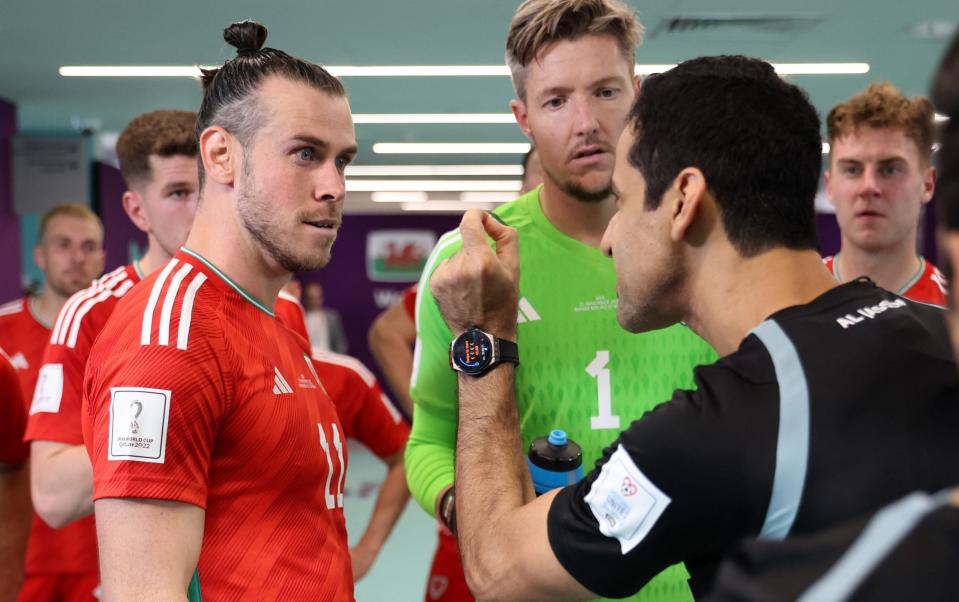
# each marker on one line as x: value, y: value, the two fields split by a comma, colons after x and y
x: 59, y: 564
x: 573, y: 64
x: 880, y: 176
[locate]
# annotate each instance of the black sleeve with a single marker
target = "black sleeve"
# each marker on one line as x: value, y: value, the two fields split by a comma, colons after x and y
x: 672, y: 488
x: 922, y: 566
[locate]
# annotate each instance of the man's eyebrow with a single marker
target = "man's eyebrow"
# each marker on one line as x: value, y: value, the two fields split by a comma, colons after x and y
x: 320, y: 143
x: 175, y: 185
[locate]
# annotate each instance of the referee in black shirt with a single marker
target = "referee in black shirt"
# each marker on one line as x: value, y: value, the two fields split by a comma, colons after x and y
x: 830, y: 401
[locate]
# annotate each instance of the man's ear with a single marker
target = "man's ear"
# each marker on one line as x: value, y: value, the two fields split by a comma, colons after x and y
x: 637, y: 84
x: 827, y: 185
x: 928, y: 184
x: 219, y: 151
x: 689, y: 195
x: 522, y: 116
x: 39, y: 258
x: 133, y: 206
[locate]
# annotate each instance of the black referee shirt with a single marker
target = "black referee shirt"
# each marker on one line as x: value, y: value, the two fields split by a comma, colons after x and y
x: 826, y: 412
x: 907, y: 551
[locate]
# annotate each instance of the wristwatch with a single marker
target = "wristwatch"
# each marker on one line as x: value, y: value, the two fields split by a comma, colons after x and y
x: 474, y: 352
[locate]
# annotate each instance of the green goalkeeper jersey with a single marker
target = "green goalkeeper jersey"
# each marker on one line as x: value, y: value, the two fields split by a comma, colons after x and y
x: 579, y: 370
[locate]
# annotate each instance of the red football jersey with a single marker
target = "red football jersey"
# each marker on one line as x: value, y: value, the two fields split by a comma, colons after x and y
x: 13, y: 415
x: 928, y: 285
x: 289, y: 311
x: 409, y: 302
x: 365, y: 411
x: 23, y: 337
x: 55, y: 414
x: 196, y: 393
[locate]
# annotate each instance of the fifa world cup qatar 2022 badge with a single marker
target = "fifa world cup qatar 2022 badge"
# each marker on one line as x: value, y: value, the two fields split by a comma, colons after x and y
x: 139, y: 420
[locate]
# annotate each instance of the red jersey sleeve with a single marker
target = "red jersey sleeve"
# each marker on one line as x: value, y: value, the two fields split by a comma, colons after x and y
x: 366, y: 413
x: 409, y: 302
x: 58, y: 397
x: 289, y: 311
x: 153, y: 413
x: 13, y: 417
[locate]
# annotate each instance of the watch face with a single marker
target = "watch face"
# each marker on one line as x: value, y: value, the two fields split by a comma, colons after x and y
x: 472, y: 351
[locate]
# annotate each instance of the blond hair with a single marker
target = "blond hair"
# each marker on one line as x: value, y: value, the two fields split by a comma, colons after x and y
x: 883, y: 106
x: 538, y: 23
x: 67, y: 210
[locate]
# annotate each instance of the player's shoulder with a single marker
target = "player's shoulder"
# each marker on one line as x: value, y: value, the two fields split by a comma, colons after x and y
x: 12, y: 309
x: 345, y: 366
x: 89, y: 308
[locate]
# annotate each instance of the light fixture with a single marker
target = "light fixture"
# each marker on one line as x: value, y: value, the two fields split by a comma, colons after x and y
x: 487, y: 197
x: 393, y: 196
x: 940, y: 118
x: 434, y: 170
x: 363, y: 118
x: 825, y: 148
x: 426, y: 70
x: 466, y: 148
x: 444, y: 206
x: 432, y: 185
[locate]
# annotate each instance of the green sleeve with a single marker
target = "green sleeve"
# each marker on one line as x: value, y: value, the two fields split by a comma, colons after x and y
x: 429, y: 456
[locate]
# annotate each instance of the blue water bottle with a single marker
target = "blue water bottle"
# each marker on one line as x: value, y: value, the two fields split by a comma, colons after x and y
x: 554, y: 461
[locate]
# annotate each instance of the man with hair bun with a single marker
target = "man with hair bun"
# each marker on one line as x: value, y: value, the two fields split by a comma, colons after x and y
x: 218, y: 459
x: 573, y: 69
x: 880, y: 175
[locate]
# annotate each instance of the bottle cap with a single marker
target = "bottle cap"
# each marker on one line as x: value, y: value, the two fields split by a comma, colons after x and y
x: 557, y: 437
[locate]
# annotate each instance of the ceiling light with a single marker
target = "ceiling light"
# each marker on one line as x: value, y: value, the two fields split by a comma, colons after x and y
x: 433, y: 118
x: 940, y: 118
x: 825, y: 148
x: 432, y: 185
x: 393, y: 196
x: 434, y: 170
x: 426, y: 70
x: 444, y: 206
x: 496, y: 148
x: 487, y: 197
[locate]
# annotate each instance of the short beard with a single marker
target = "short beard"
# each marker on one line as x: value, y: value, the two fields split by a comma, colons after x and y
x: 256, y: 218
x: 578, y: 192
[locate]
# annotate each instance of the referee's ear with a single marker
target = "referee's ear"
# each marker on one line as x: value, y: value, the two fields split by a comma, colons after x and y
x: 691, y: 206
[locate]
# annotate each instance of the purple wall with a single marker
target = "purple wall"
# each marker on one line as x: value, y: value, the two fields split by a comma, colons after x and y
x: 10, y: 271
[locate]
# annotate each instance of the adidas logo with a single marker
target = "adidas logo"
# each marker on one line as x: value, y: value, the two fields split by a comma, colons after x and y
x: 280, y: 385
x: 19, y: 361
x: 526, y: 312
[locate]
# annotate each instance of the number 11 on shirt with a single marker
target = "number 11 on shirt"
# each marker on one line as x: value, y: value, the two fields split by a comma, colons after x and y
x: 333, y: 499
x: 598, y: 370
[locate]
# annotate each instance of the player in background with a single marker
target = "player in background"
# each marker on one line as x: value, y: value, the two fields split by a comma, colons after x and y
x: 69, y: 252
x: 572, y: 63
x: 210, y: 434
x: 157, y: 155
x: 368, y: 416
x: 880, y: 175
x: 14, y: 485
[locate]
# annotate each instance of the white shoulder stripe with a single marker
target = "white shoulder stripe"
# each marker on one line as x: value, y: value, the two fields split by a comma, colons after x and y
x: 83, y: 311
x: 81, y: 302
x: 394, y: 413
x: 186, y: 311
x: 147, y: 327
x: 67, y: 313
x: 346, y: 361
x: 13, y: 307
x: 163, y: 336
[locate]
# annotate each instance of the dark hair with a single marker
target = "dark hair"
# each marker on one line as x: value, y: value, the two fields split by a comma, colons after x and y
x: 229, y: 98
x: 945, y: 95
x: 163, y: 133
x: 754, y: 136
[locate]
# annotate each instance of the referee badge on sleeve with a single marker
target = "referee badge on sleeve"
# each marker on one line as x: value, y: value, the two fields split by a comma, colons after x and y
x: 138, y: 424
x: 624, y: 502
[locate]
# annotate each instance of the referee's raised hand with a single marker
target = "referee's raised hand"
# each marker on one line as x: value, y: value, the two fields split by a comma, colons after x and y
x: 478, y: 286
